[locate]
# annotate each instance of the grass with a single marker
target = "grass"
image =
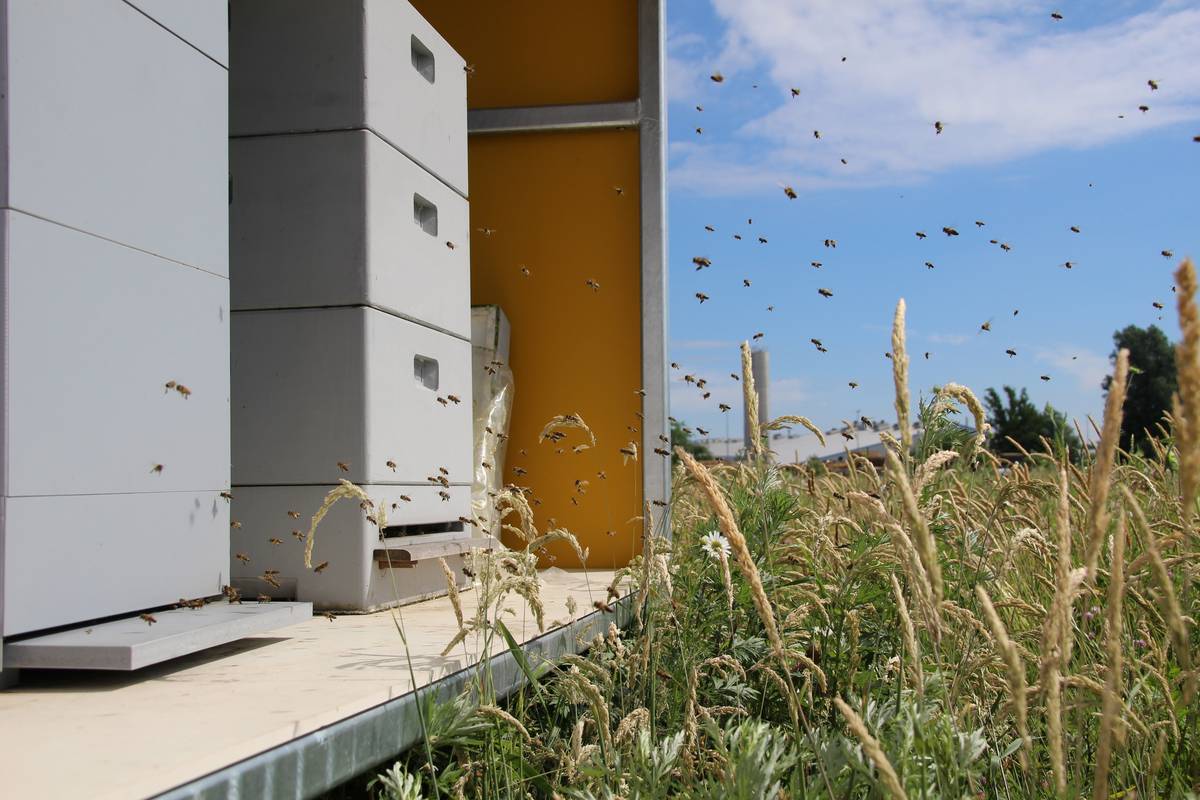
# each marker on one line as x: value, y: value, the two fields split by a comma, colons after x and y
x: 949, y: 626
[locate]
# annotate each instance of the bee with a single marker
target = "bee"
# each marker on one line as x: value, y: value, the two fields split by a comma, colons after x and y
x: 627, y: 452
x: 737, y: 236
x: 662, y: 452
x: 1068, y: 264
x: 659, y: 503
x: 815, y: 264
x: 844, y: 161
x: 1157, y: 305
x: 466, y: 520
x: 746, y: 282
x: 701, y: 296
x: 1153, y: 84
x: 790, y: 192
x: 343, y: 466
x: 1011, y: 352
x: 847, y: 435
x: 1054, y: 15
x: 1016, y: 311
x: 443, y: 401
x: 519, y: 471
x: 450, y: 245
x: 888, y: 356
x: 710, y: 228
x: 148, y: 618
x: 706, y: 395
x: 795, y: 92
x: 296, y: 514
x: 979, y: 223
x: 1006, y: 247
x: 824, y: 293
x: 168, y: 386
x: 593, y: 284
x: 242, y: 557
x: 329, y: 616
x: 157, y: 469
x: 269, y: 577
x: 717, y: 77
x: 444, y: 495
x: 618, y: 190
x: 299, y: 535
x: 1143, y: 108
x: 816, y: 134
x: 1045, y: 377
x: 762, y: 240
x: 233, y: 523
x: 1167, y: 253
x: 831, y: 242
x: 987, y: 326
x: 1074, y: 229
x: 853, y: 384
x: 319, y: 568
x: 926, y: 355
x: 920, y: 234
x: 938, y: 128
x: 486, y: 231
x: 183, y: 390
x: 443, y: 470
x: 453, y: 398
x: 525, y: 271
x: 469, y: 69
x: 227, y: 495
x: 701, y: 262
x: 406, y: 498
x: 699, y: 131
x: 770, y: 308
x: 929, y: 265
x: 724, y: 407
x: 263, y: 598
x: 275, y: 540
x: 756, y: 337
x: 601, y: 605
x: 816, y: 342
x: 231, y: 594
x: 949, y: 231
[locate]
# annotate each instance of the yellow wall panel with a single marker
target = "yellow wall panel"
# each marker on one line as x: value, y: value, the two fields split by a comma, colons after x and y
x: 547, y: 202
x: 541, y: 52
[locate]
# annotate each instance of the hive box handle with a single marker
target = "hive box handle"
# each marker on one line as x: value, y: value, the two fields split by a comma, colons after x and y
x: 425, y: 215
x: 425, y: 370
x: 422, y: 60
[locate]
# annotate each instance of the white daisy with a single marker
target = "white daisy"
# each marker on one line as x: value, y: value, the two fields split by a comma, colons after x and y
x: 714, y: 544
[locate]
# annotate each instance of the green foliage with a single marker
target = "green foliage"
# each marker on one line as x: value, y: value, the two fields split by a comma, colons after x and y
x: 1017, y: 419
x: 681, y: 437
x: 1153, y: 381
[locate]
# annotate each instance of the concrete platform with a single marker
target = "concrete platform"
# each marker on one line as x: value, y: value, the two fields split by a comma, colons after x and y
x: 284, y: 714
x: 130, y: 644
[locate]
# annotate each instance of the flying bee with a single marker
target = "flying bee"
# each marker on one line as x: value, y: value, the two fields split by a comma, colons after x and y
x: 770, y: 308
x: 525, y: 271
x: 790, y: 192
x: 147, y: 618
x: 157, y: 469
x: 816, y: 342
x: 1167, y: 253
x: 1153, y: 84
x: 831, y: 242
x: 824, y: 293
x: 758, y: 336
x: 619, y: 190
x: 329, y: 616
x: 450, y: 245
x: 231, y: 594
x: 263, y: 598
x: 659, y: 503
x: 926, y: 355
x: 949, y: 231
x: 319, y: 568
x: 642, y: 392
x: 929, y: 265
x: 938, y: 128
x: 847, y: 435
x: 1074, y: 229
x: 746, y: 282
x: 920, y: 234
x: 600, y: 605
x: 233, y: 523
x: 343, y: 466
x: 519, y: 471
x: 717, y: 77
x: 979, y: 223
x: 701, y: 262
x: 853, y: 384
x: 662, y: 452
x: 987, y: 326
x: 406, y: 498
x: 706, y: 395
x: 1143, y: 108
x: 183, y: 390
x: 762, y: 240
x: 453, y: 398
x: 486, y: 231
x: 275, y: 540
x: 844, y: 161
x: 795, y: 92
x: 469, y: 69
x: 1006, y: 247
x: 242, y: 557
x: 227, y: 495
x: 1068, y: 265
x: 296, y: 514
x: 270, y: 579
x: 1045, y: 377
x: 444, y: 495
x: 1054, y: 15
x: 737, y: 236
x: 816, y: 134
x: 1011, y: 352
x: 1157, y: 305
x: 168, y: 386
x: 701, y: 296
x: 391, y: 465
x: 724, y: 407
x: 593, y: 284
x: 299, y: 535
x: 699, y: 131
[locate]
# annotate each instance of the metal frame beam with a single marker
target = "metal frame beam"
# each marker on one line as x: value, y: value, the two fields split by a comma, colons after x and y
x: 533, y: 119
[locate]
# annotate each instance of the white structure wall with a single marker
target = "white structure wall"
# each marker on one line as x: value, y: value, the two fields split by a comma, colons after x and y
x: 115, y: 266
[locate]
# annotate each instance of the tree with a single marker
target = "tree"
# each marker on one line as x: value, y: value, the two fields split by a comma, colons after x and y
x: 1152, y: 382
x: 681, y: 436
x: 1021, y: 421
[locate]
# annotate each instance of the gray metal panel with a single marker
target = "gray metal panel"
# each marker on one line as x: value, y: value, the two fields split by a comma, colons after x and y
x: 133, y: 643
x: 656, y: 481
x: 312, y: 65
x: 313, y: 387
x: 314, y: 763
x: 118, y: 128
x: 94, y: 332
x: 327, y: 219
x: 587, y: 116
x: 71, y: 559
x: 204, y: 24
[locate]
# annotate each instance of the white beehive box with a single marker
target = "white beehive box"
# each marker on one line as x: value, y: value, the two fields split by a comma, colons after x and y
x: 315, y: 65
x: 344, y: 218
x: 313, y: 387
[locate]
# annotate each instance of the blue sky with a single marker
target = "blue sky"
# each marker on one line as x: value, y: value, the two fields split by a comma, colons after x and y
x: 1032, y: 144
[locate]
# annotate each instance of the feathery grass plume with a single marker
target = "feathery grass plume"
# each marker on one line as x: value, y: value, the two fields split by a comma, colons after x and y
x: 909, y: 634
x: 870, y: 745
x: 1052, y: 687
x: 853, y: 623
x: 926, y: 547
x: 567, y: 422
x: 1106, y: 454
x: 906, y: 554
x: 345, y: 490
x: 505, y: 717
x: 511, y: 499
x: 967, y: 398
x: 1112, y: 703
x: 741, y: 552
x: 1187, y: 400
x: 900, y: 377
x: 787, y: 420
x: 1171, y: 611
x: 634, y: 721
x: 1015, y: 671
x: 452, y: 591
x: 589, y: 693
x: 559, y: 535
x: 1062, y: 564
x: 750, y: 396
x: 1050, y: 669
x: 927, y: 470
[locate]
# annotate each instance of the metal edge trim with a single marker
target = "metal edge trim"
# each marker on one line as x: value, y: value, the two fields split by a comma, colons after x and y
x: 531, y: 119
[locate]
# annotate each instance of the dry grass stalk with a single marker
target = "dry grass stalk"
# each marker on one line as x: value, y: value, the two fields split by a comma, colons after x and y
x: 1106, y: 454
x: 345, y: 490
x: 1171, y: 611
x: 1187, y: 400
x: 452, y: 591
x: 926, y: 547
x: 909, y: 634
x: 566, y: 421
x: 633, y: 722
x: 505, y: 717
x: 787, y: 420
x: 926, y: 471
x: 750, y: 396
x: 870, y: 745
x: 900, y: 377
x: 968, y: 398
x: 1015, y: 671
x: 1063, y: 566
x: 1112, y: 703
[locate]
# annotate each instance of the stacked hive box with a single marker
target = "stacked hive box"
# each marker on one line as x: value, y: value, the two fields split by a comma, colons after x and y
x: 351, y: 296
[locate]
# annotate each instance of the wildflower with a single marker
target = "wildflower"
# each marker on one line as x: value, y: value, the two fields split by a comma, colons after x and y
x: 713, y: 543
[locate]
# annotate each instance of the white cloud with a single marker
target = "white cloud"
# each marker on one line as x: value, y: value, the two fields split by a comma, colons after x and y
x: 1088, y: 368
x: 1005, y: 80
